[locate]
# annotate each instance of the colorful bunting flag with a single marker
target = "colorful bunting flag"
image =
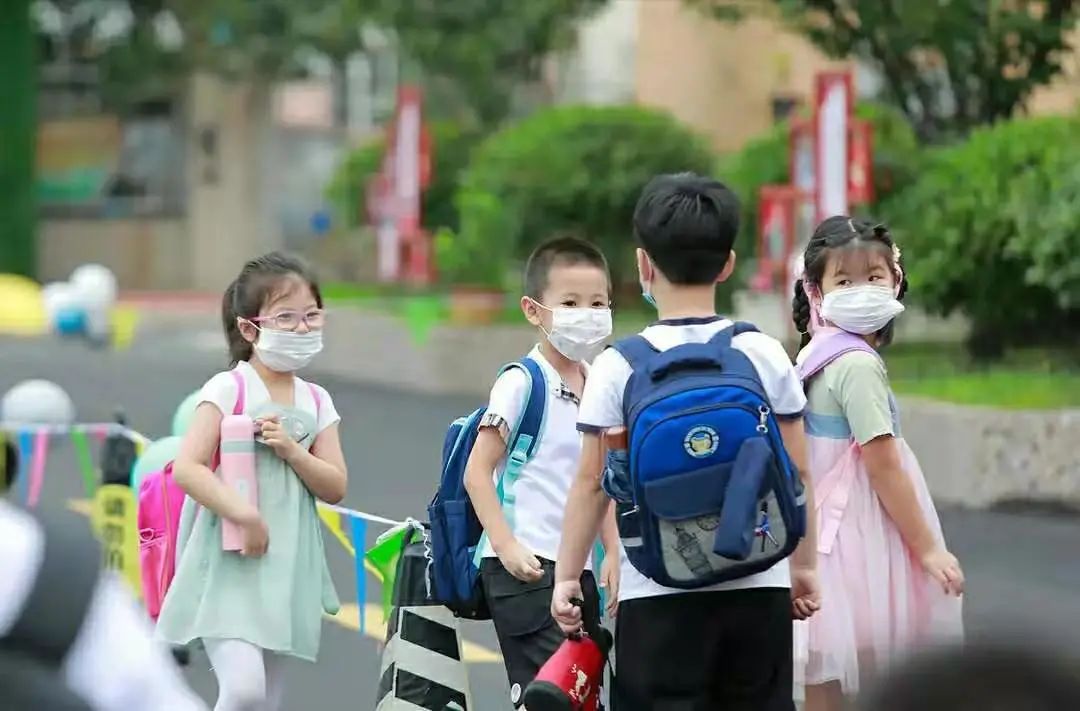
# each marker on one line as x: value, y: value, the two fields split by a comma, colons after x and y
x: 37, y: 468
x: 26, y: 452
x: 383, y: 557
x: 86, y: 461
x: 358, y: 528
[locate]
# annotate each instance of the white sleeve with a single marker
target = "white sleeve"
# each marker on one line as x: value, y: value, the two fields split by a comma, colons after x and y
x: 782, y: 384
x: 508, y: 396
x: 602, y: 400
x: 221, y: 391
x: 327, y: 413
x: 116, y: 664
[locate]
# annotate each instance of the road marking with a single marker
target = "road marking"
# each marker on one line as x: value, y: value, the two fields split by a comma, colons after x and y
x: 349, y: 614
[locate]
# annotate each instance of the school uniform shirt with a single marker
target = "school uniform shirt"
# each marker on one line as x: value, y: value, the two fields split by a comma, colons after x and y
x: 602, y: 408
x: 114, y: 663
x: 541, y: 490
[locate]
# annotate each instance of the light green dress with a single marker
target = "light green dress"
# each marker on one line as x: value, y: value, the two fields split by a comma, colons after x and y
x: 275, y: 602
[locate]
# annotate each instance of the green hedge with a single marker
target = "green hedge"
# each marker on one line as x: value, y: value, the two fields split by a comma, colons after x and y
x: 572, y: 169
x: 991, y: 230
x: 764, y: 161
x: 452, y: 147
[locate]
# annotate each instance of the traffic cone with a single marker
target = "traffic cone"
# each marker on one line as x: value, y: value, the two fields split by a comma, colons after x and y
x: 422, y: 665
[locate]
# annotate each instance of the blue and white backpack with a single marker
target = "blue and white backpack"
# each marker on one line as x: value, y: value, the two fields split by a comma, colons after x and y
x: 705, y: 492
x: 456, y: 533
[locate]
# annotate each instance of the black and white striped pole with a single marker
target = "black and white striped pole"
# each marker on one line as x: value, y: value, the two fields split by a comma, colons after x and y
x: 422, y: 664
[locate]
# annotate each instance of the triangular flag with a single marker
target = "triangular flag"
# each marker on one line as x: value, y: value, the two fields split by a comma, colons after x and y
x: 358, y: 529
x: 332, y: 519
x: 383, y: 557
x: 37, y: 467
x: 26, y: 454
x: 86, y: 461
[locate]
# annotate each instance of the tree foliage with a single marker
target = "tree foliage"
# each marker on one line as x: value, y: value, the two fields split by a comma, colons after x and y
x: 572, y: 170
x: 486, y: 49
x: 991, y: 230
x: 951, y: 66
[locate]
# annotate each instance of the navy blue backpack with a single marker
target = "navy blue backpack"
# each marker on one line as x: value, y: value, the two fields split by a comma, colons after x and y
x: 709, y: 493
x: 456, y: 533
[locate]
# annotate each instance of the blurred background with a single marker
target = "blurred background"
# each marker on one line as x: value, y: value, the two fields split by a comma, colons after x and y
x: 417, y: 150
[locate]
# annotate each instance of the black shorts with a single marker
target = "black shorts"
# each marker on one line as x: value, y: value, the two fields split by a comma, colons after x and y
x: 528, y: 635
x: 706, y: 651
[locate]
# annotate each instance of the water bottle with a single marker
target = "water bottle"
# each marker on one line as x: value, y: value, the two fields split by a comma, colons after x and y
x: 238, y: 472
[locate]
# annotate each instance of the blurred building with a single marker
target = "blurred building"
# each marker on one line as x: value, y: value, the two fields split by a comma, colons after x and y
x: 729, y: 81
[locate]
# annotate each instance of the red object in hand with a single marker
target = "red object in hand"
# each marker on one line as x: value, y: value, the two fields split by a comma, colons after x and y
x: 570, y: 680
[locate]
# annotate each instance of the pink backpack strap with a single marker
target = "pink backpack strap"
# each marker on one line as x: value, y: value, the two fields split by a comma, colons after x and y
x: 317, y: 397
x: 241, y: 391
x: 826, y: 348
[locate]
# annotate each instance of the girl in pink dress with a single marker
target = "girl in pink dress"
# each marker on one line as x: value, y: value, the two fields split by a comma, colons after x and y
x: 889, y: 585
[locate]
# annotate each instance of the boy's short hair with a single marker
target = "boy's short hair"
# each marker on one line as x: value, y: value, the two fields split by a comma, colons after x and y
x: 559, y: 251
x: 687, y: 224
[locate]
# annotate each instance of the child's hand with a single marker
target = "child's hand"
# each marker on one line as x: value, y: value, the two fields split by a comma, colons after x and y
x: 256, y: 538
x: 609, y: 581
x: 520, y: 562
x: 945, y: 568
x: 275, y: 436
x: 805, y: 593
x: 567, y: 614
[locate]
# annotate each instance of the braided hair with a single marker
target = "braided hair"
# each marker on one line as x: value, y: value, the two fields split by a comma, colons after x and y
x: 834, y: 234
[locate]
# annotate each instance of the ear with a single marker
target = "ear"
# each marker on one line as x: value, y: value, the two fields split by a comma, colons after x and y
x: 531, y: 311
x: 644, y: 266
x: 247, y: 330
x: 728, y: 270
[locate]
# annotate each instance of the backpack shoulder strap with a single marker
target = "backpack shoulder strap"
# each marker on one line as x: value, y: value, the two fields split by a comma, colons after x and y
x: 724, y: 336
x: 826, y: 348
x: 637, y: 350
x: 316, y: 397
x: 53, y: 615
x: 525, y: 437
x: 241, y: 391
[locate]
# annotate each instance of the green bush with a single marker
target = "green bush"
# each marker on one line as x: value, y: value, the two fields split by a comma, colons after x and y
x: 986, y: 231
x: 576, y: 170
x: 764, y: 161
x: 452, y: 147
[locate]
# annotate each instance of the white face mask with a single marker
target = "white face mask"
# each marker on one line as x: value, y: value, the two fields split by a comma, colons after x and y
x: 286, y: 351
x: 578, y: 333
x: 863, y: 309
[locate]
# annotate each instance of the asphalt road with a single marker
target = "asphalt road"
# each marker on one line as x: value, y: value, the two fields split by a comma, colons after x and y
x: 1023, y: 568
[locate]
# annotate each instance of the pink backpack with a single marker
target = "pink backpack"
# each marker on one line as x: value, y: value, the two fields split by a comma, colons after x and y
x: 160, y: 502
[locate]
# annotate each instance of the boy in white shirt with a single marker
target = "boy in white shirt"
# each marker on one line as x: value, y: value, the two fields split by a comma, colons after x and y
x: 728, y: 646
x: 567, y: 299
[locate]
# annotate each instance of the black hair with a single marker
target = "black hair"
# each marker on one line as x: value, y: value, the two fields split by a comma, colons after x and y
x: 687, y: 224
x: 840, y: 232
x: 559, y: 251
x: 259, y: 280
x: 979, y: 678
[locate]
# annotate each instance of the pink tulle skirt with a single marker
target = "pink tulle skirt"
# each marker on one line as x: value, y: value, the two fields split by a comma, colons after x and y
x: 878, y: 604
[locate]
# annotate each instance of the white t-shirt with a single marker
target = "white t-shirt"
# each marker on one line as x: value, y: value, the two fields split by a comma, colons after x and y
x: 601, y: 409
x: 540, y: 491
x: 221, y: 391
x: 115, y: 663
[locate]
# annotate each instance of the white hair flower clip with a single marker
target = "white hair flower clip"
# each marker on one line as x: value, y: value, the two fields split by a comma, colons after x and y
x: 896, y: 254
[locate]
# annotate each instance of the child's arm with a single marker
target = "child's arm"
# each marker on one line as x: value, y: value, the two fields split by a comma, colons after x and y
x: 193, y: 475
x: 862, y: 388
x: 893, y: 487
x: 488, y: 451
x: 322, y: 469
x: 586, y: 506
x: 805, y: 591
